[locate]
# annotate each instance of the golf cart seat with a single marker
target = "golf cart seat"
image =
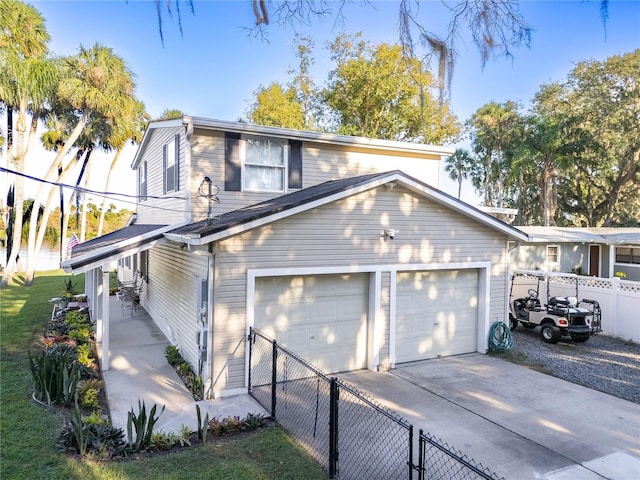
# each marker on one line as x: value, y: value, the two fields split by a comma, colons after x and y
x: 563, y: 301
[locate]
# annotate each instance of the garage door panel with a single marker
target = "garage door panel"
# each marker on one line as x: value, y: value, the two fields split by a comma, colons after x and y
x: 321, y: 318
x: 436, y: 313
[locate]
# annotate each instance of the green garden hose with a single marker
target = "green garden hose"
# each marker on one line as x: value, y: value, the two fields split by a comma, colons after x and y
x: 500, y: 339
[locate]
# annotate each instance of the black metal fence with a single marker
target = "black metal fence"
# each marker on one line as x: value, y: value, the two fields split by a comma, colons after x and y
x: 345, y: 431
x: 348, y: 433
x: 438, y: 460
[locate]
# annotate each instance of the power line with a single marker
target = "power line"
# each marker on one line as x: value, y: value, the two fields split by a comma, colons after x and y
x: 99, y: 192
x: 82, y: 189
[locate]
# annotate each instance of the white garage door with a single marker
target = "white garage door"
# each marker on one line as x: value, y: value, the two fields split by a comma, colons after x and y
x: 436, y: 314
x: 322, y: 318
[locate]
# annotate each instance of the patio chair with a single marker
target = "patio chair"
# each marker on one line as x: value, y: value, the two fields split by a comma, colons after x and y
x: 131, y: 283
x: 129, y: 294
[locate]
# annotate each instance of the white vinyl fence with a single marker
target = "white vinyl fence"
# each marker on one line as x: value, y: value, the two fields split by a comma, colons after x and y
x: 619, y: 301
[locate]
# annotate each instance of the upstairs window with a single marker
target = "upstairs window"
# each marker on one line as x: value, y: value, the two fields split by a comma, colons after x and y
x: 264, y: 165
x: 171, y: 165
x: 142, y: 182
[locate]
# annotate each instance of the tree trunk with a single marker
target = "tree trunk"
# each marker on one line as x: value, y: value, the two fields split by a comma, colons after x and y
x: 106, y: 188
x: 621, y: 181
x: 83, y: 224
x: 11, y: 190
x: 18, y: 197
x: 32, y: 249
x: 65, y: 227
x: 45, y: 218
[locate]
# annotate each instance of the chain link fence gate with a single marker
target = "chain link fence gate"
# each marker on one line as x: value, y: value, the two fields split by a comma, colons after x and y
x: 347, y: 432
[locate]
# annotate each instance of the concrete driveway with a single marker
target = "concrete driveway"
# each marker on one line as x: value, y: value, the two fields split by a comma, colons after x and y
x: 519, y: 423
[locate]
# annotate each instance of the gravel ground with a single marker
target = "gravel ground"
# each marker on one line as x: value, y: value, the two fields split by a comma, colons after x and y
x: 602, y: 363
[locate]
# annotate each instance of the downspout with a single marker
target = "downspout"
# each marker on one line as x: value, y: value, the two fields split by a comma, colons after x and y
x: 508, y: 273
x: 208, y: 384
x: 187, y: 164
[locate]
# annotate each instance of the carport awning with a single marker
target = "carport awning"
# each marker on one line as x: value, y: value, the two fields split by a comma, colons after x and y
x: 113, y: 246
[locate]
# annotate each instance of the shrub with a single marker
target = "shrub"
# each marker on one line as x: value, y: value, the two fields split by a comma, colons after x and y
x: 55, y: 374
x: 229, y: 424
x: 143, y: 426
x: 184, y: 369
x: 96, y: 418
x: 196, y: 386
x: 81, y: 334
x: 92, y: 434
x: 162, y: 440
x: 88, y: 391
x: 183, y: 435
x: 202, y: 426
x: 85, y: 355
x: 253, y: 421
x: 76, y: 318
x: 173, y: 355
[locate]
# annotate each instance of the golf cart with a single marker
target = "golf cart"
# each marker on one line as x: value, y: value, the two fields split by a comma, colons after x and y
x: 531, y: 304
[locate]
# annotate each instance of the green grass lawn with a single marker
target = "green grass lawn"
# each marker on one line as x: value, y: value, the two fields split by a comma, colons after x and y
x: 28, y: 432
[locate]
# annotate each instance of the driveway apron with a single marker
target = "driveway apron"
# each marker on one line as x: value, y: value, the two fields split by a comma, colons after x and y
x: 517, y: 422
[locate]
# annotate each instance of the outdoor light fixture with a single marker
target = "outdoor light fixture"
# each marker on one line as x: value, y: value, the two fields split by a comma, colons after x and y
x: 211, y: 195
x: 389, y: 234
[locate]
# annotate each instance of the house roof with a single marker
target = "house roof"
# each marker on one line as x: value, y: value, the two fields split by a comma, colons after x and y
x: 416, y: 149
x: 604, y: 235
x: 114, y: 245
x: 238, y: 221
x: 136, y: 238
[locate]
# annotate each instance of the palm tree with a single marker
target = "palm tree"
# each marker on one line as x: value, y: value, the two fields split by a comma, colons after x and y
x: 171, y: 113
x: 94, y: 81
x: 127, y: 128
x: 492, y: 127
x: 27, y: 79
x: 458, y: 166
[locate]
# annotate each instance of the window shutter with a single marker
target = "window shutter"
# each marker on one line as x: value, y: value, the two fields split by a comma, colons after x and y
x: 232, y: 167
x: 295, y: 164
x: 176, y: 170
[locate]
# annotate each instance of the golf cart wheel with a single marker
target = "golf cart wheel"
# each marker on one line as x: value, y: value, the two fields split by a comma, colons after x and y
x: 513, y: 323
x: 550, y: 333
x: 579, y: 337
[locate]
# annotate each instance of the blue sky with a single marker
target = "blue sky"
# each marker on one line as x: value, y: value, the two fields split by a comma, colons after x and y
x: 213, y: 70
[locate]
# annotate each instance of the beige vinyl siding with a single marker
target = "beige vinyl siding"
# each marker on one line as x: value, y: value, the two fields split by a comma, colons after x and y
x: 325, y: 162
x: 320, y: 163
x: 163, y: 210
x: 171, y: 296
x: 346, y: 233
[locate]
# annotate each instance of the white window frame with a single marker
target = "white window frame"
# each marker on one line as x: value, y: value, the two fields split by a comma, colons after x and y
x: 169, y: 153
x: 557, y: 254
x: 142, y: 182
x: 281, y: 168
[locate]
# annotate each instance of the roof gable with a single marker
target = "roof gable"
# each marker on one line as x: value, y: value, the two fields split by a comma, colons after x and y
x: 238, y: 221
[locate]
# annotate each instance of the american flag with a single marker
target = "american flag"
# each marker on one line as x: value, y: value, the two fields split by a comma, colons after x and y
x: 73, y: 241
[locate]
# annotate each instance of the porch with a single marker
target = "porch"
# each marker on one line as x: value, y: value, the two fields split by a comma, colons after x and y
x: 138, y: 370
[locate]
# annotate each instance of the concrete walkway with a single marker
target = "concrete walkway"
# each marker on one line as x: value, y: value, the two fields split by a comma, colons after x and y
x: 140, y: 371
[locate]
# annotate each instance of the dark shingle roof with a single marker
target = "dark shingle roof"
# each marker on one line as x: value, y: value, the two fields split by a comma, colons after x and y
x: 275, y: 205
x: 114, y: 237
